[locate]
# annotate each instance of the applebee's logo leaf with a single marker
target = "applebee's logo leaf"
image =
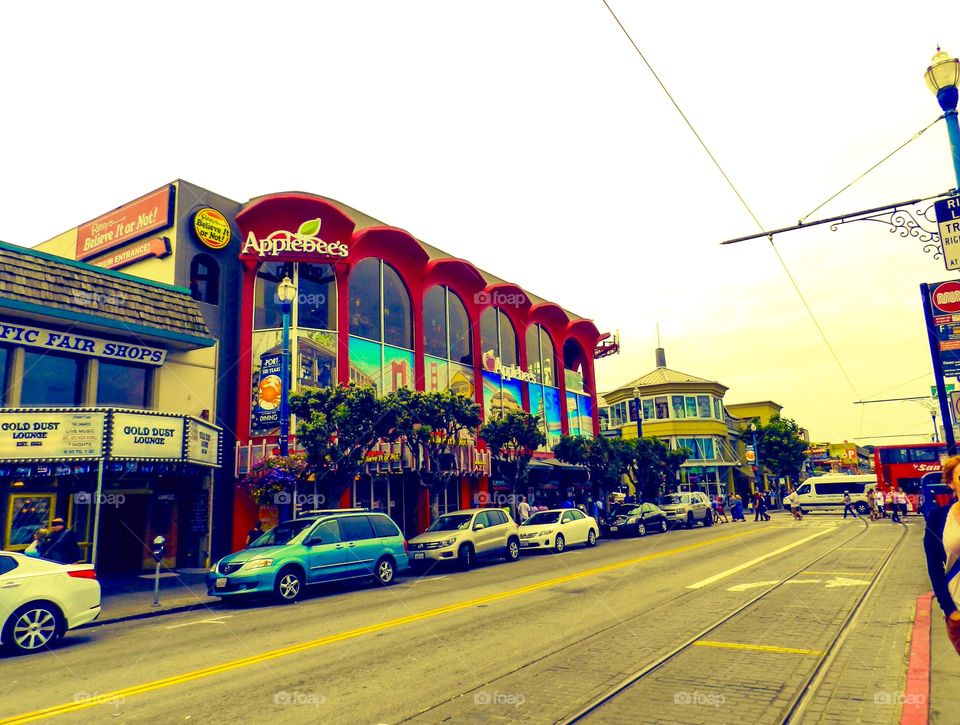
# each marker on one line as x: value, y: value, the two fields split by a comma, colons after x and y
x: 309, y: 228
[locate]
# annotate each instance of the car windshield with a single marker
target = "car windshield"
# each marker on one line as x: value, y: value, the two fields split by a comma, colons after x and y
x: 282, y: 534
x: 544, y: 517
x: 624, y: 509
x: 452, y: 522
x: 673, y: 499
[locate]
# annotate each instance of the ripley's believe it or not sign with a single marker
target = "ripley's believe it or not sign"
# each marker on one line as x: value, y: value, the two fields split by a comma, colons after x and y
x: 945, y: 303
x: 304, y: 241
x: 126, y: 224
x: 37, y: 435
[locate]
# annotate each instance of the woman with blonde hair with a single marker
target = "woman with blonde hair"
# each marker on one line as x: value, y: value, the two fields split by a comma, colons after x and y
x: 941, y: 543
x: 32, y: 550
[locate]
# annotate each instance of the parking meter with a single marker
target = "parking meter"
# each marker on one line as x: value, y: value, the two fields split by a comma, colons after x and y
x: 159, y: 544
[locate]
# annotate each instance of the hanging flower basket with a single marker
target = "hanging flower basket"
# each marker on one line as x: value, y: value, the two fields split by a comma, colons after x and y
x: 275, y: 475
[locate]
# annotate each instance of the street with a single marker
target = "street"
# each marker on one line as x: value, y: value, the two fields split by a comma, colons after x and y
x: 539, y: 640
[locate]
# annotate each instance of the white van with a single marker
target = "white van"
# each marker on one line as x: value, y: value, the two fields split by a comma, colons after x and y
x: 825, y: 493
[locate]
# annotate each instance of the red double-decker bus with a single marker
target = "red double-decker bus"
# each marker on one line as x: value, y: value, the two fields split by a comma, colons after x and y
x: 902, y: 467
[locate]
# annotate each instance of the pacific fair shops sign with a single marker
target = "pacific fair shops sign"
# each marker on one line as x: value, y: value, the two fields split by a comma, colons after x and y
x: 58, y: 341
x: 283, y: 242
x: 154, y: 437
x: 51, y: 436
x: 492, y: 364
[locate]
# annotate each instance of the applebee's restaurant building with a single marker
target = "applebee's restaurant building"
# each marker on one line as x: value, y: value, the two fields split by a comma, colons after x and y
x: 374, y: 305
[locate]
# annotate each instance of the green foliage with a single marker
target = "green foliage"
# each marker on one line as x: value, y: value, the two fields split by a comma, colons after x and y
x: 512, y: 439
x: 338, y: 426
x: 275, y: 475
x: 606, y: 459
x: 781, y: 448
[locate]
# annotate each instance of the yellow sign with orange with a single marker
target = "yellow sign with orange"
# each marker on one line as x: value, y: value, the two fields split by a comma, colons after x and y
x: 211, y: 228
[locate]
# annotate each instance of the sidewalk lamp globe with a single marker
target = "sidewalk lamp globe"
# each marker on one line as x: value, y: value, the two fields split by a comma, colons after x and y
x: 943, y: 72
x: 286, y: 291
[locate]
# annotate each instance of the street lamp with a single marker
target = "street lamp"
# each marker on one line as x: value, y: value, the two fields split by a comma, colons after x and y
x: 286, y: 292
x: 943, y: 77
x: 756, y: 453
x: 639, y: 410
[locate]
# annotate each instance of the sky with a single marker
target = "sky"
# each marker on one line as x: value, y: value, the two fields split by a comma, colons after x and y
x: 531, y: 138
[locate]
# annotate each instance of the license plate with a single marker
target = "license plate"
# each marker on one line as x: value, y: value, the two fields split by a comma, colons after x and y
x: 418, y: 555
x: 221, y: 582
x: 613, y: 528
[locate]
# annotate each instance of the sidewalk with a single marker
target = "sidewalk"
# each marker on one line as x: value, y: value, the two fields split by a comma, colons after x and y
x: 944, y: 672
x: 131, y: 596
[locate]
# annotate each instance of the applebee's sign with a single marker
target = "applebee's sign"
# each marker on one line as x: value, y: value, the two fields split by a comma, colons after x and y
x: 493, y: 364
x: 302, y: 241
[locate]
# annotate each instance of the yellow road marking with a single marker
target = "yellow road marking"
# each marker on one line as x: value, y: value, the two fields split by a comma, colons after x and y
x: 349, y: 634
x: 840, y: 573
x: 758, y: 648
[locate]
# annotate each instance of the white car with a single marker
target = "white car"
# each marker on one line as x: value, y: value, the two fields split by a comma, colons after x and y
x: 557, y: 529
x: 40, y: 600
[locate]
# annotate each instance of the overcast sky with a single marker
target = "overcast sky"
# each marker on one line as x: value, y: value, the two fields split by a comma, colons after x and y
x: 531, y: 139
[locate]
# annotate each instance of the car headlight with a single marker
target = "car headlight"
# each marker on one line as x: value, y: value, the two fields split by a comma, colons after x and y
x: 545, y: 532
x: 449, y: 542
x: 256, y: 564
x: 213, y: 569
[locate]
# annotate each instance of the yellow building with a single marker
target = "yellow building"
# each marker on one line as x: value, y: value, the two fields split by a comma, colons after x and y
x: 743, y: 414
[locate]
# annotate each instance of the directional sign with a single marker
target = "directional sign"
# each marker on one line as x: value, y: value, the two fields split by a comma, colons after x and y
x: 948, y: 220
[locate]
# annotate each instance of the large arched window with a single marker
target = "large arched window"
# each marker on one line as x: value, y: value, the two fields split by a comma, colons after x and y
x: 267, y: 313
x: 447, y: 342
x: 579, y: 400
x: 498, y: 336
x: 501, y: 390
x: 544, y: 394
x: 381, y: 327
x: 316, y: 297
x: 540, y: 355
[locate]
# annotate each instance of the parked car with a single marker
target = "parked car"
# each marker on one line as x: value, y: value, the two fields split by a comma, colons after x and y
x: 557, y: 529
x: 465, y: 536
x: 687, y: 508
x: 934, y: 493
x: 40, y: 600
x: 315, y: 548
x: 637, y: 519
x: 825, y: 493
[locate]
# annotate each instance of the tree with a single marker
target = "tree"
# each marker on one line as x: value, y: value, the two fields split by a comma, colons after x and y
x: 432, y: 424
x: 606, y: 459
x: 338, y: 426
x: 654, y: 465
x: 781, y: 448
x: 512, y: 440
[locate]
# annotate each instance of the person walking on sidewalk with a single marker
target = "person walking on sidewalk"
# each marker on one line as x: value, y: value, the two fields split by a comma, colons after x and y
x: 736, y: 508
x: 872, y: 505
x: 848, y: 506
x: 902, y: 502
x: 894, y: 508
x: 881, y: 508
x: 760, y: 507
x: 523, y: 509
x: 792, y: 500
x: 719, y: 515
x: 941, y: 544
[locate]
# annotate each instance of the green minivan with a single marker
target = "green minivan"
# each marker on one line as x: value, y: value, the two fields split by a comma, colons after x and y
x: 314, y: 548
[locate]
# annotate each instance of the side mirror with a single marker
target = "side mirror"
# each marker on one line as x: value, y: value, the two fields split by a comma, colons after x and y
x: 314, y: 541
x: 477, y: 527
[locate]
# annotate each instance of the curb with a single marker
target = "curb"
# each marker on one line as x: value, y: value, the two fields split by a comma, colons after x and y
x: 147, y: 615
x: 916, y: 691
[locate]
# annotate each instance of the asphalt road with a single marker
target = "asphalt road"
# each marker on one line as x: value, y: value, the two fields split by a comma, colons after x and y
x: 526, y: 641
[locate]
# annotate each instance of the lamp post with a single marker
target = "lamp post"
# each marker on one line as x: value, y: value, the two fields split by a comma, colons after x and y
x: 636, y: 400
x: 943, y: 77
x: 286, y: 292
x: 756, y: 453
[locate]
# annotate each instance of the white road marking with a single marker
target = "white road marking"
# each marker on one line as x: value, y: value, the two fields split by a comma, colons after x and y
x: 748, y: 564
x: 751, y: 585
x: 842, y: 582
x: 429, y: 579
x: 211, y: 620
x: 805, y: 581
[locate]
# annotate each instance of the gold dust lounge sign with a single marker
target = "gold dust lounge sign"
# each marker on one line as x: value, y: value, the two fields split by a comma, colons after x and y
x: 146, y: 436
x: 304, y: 241
x: 51, y: 436
x: 58, y: 341
x: 126, y: 224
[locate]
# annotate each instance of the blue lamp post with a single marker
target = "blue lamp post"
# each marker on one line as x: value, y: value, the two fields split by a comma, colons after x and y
x: 286, y: 292
x: 756, y: 457
x: 943, y: 77
x: 636, y: 400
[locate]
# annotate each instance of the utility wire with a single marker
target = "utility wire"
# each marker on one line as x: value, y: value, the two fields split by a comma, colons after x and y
x: 746, y: 206
x: 915, y: 136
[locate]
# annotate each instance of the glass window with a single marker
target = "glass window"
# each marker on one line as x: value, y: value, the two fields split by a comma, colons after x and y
x: 648, y: 413
x: 691, y: 406
x: 365, y: 299
x: 267, y: 312
x: 532, y: 343
x: 508, y: 340
x: 7, y: 564
x: 384, y: 527
x: 924, y: 455
x: 326, y: 533
x: 27, y: 514
x: 488, y: 331
x: 316, y: 359
x: 548, y: 358
x: 567, y: 517
x: 123, y: 386
x: 676, y: 402
x: 355, y: 528
x: 397, y: 315
x: 316, y: 296
x: 703, y: 406
x: 707, y: 447
x: 435, y: 322
x: 205, y: 279
x: 717, y: 409
x: 461, y: 341
x: 51, y: 379
x: 663, y: 410
x: 4, y: 359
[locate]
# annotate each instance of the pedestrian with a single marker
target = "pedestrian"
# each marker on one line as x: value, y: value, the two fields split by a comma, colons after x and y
x: 33, y: 549
x: 941, y: 544
x: 597, y: 512
x: 792, y: 499
x: 255, y: 533
x: 878, y: 499
x: 848, y: 506
x: 567, y: 502
x: 719, y: 513
x: 902, y: 502
x: 523, y: 509
x: 894, y: 507
x: 738, y: 508
x: 60, y: 544
x: 872, y: 505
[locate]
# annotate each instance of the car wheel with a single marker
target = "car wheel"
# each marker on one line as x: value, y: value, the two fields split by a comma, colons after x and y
x: 592, y: 538
x: 708, y: 518
x: 465, y: 557
x: 663, y: 526
x: 289, y: 585
x: 559, y: 544
x: 513, y: 550
x: 641, y: 529
x: 386, y: 572
x: 690, y: 521
x: 33, y: 627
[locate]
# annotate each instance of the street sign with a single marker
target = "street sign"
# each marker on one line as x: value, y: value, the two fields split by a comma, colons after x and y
x: 750, y: 455
x: 950, y: 387
x: 948, y: 221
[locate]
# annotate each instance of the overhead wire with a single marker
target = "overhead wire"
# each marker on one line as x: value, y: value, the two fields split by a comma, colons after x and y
x: 739, y: 196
